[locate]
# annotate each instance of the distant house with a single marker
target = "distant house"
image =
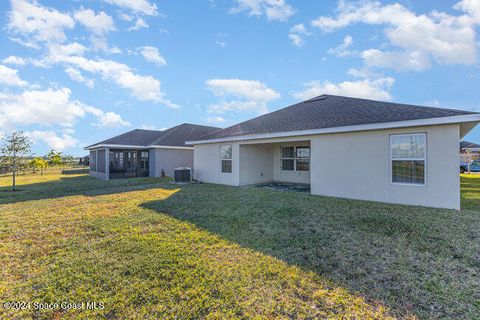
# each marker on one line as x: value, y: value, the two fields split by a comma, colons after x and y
x: 344, y: 147
x: 466, y: 146
x: 143, y: 153
x: 84, y: 161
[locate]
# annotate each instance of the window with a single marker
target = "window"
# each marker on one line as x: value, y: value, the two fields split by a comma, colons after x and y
x: 303, y: 158
x: 288, y: 158
x: 408, y: 158
x: 295, y: 158
x: 226, y: 158
x: 116, y: 160
x: 131, y: 162
x: 144, y: 160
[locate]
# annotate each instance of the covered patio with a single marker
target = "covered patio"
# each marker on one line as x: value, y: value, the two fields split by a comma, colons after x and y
x: 106, y: 163
x: 286, y: 163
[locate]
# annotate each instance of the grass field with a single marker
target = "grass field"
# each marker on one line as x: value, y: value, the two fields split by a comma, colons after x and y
x: 146, y: 248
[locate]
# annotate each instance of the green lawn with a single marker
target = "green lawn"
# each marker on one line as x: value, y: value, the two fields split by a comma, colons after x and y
x: 146, y: 248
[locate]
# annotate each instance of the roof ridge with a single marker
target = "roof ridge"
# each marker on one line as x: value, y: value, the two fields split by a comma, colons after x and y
x: 117, y: 136
x: 391, y: 102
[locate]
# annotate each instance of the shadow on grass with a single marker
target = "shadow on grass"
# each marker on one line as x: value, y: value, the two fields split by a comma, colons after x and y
x: 413, y: 260
x: 78, y: 185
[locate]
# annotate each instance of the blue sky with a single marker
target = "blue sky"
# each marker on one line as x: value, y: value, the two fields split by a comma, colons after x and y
x: 76, y: 72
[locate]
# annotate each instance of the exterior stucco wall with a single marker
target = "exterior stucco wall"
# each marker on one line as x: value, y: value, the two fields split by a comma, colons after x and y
x: 256, y: 163
x: 169, y: 159
x: 98, y: 175
x: 284, y: 175
x: 207, y: 164
x: 357, y: 165
x: 352, y: 165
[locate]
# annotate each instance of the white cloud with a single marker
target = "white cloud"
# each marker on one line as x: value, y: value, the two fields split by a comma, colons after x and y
x: 100, y: 43
x: 125, y: 16
x: 397, y: 60
x: 98, y: 24
x: 53, y: 141
x: 76, y: 75
x: 223, y: 107
x: 369, y: 89
x: 215, y: 119
x: 48, y: 107
x: 444, y: 38
x: 44, y: 24
x: 19, y: 61
x: 472, y: 7
x: 58, y: 53
x: 111, y: 120
x: 145, y: 88
x: 343, y: 49
x: 153, y: 55
x: 148, y: 127
x: 278, y: 10
x: 297, y: 33
x: 68, y: 130
x: 137, y: 6
x: 10, y: 77
x: 250, y: 89
x: 240, y: 95
x: 139, y: 24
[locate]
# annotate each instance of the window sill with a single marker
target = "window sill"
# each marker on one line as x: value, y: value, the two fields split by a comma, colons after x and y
x: 409, y: 184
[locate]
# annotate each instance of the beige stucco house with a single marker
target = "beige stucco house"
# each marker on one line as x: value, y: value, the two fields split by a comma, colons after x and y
x: 344, y: 147
x: 145, y: 153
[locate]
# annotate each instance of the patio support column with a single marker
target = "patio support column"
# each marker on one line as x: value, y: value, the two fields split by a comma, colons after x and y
x: 107, y: 163
x: 96, y: 162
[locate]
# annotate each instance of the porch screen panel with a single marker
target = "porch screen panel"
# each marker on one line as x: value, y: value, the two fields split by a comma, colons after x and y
x: 116, y: 161
x: 101, y: 161
x: 93, y: 161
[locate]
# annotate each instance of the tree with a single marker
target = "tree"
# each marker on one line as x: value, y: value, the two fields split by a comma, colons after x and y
x: 15, y: 149
x: 469, y: 157
x: 38, y: 163
x: 68, y: 160
x: 54, y: 158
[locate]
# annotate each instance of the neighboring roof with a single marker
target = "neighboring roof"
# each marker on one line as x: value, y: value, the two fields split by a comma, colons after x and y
x: 175, y: 136
x: 136, y: 137
x: 329, y: 111
x: 468, y: 145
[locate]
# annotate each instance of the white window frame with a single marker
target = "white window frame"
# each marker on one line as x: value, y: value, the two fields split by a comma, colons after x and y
x: 424, y: 159
x: 302, y: 158
x: 231, y: 158
x: 295, y: 158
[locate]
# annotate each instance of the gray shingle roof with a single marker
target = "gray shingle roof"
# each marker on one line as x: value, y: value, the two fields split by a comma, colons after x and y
x: 175, y: 136
x: 467, y: 144
x: 329, y: 111
x: 137, y: 137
